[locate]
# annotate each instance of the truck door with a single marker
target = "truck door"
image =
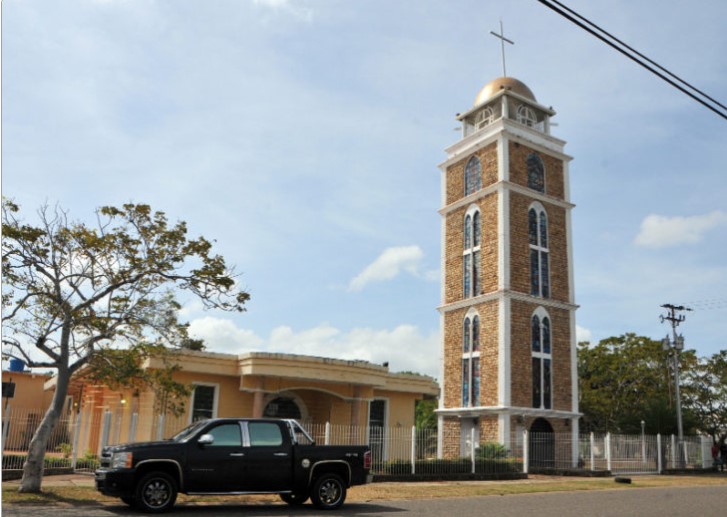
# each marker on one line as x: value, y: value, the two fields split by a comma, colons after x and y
x: 217, y: 466
x: 269, y: 458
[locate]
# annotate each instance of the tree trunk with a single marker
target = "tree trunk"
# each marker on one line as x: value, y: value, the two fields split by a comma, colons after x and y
x: 33, y: 467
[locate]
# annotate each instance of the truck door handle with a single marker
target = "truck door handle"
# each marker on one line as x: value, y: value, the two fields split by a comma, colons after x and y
x: 280, y: 454
x: 237, y: 454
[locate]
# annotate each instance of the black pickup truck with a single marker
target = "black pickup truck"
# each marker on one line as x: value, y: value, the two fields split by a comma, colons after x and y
x: 227, y: 456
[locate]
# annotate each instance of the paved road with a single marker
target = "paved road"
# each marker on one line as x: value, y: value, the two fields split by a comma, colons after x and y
x: 642, y: 502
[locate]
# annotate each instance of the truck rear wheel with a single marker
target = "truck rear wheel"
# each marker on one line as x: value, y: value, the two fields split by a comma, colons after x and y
x: 329, y: 492
x: 156, y: 492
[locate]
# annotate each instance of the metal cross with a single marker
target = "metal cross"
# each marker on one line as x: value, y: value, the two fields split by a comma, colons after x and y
x: 503, y: 39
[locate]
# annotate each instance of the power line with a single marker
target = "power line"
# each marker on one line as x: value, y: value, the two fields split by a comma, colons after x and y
x: 635, y: 56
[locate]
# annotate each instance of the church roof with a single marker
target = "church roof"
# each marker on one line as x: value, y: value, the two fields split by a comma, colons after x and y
x: 503, y: 83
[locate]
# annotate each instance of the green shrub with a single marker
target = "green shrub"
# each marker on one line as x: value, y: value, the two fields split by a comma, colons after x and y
x: 491, y: 450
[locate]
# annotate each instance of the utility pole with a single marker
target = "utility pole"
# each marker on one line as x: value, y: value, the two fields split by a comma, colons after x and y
x: 675, y: 346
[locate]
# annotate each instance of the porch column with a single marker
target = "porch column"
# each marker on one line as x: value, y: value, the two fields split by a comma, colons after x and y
x: 356, y: 406
x: 257, y: 404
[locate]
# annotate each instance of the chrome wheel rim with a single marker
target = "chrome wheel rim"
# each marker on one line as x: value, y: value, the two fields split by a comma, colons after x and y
x: 156, y: 493
x: 329, y: 492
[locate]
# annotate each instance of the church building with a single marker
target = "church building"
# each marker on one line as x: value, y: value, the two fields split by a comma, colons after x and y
x: 507, y: 310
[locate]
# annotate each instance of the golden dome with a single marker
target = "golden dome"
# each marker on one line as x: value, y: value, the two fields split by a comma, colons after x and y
x: 506, y: 83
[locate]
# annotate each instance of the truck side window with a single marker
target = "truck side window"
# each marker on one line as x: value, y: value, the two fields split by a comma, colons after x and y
x: 226, y: 435
x: 265, y: 434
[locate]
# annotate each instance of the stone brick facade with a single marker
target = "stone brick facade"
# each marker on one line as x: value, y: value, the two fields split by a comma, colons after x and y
x: 504, y: 302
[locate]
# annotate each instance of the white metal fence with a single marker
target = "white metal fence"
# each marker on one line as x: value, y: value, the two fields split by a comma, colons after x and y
x: 398, y: 451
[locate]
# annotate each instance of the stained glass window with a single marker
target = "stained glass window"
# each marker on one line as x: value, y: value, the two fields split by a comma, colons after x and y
x: 467, y: 232
x: 533, y: 226
x: 541, y: 360
x: 476, y: 229
x: 546, y: 384
x: 467, y: 260
x: 534, y: 272
x: 472, y: 176
x: 471, y: 360
x: 475, y: 381
x: 471, y: 253
x: 546, y: 335
x: 476, y: 334
x: 543, y: 230
x: 466, y: 337
x: 536, y: 172
x: 539, y: 253
x: 536, y: 382
x: 465, y: 382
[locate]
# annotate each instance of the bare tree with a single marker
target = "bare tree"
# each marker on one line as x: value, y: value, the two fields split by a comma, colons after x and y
x: 72, y: 290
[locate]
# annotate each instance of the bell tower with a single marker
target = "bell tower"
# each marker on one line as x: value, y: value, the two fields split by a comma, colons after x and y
x: 507, y: 310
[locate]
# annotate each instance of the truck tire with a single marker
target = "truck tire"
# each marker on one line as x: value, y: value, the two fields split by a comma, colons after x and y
x: 328, y: 492
x: 156, y: 492
x: 294, y: 498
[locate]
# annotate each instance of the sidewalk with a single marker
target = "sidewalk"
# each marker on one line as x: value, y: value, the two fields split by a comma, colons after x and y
x: 61, y: 480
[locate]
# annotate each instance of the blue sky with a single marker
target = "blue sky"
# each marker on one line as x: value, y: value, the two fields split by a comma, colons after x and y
x: 304, y: 137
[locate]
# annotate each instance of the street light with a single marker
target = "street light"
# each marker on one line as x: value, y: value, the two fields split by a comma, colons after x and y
x: 643, y: 443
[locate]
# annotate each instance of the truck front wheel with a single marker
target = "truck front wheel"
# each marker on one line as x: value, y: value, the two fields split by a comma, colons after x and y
x: 156, y: 492
x: 329, y: 492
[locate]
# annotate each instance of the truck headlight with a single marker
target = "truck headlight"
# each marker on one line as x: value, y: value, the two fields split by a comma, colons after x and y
x: 121, y: 460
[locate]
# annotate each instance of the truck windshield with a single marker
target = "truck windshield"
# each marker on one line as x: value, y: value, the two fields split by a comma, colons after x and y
x: 188, y: 432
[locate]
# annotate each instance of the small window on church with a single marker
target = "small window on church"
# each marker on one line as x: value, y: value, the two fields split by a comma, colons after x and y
x: 536, y: 172
x: 472, y: 176
x: 526, y: 115
x: 484, y: 118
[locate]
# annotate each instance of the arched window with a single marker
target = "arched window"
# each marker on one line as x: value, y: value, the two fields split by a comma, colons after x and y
x: 541, y: 360
x: 471, y: 360
x: 471, y: 253
x: 536, y: 172
x: 282, y: 407
x: 472, y: 176
x: 539, y: 254
x: 484, y: 118
x: 526, y: 115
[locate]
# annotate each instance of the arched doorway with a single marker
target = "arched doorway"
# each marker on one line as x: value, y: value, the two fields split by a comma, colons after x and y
x: 282, y: 407
x: 541, y: 444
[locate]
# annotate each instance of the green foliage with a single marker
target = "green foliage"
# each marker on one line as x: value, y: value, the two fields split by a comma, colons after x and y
x: 626, y: 379
x: 424, y: 414
x: 66, y: 449
x: 705, y: 394
x: 491, y: 451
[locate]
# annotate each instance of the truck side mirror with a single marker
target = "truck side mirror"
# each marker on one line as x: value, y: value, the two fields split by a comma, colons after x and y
x: 206, y: 439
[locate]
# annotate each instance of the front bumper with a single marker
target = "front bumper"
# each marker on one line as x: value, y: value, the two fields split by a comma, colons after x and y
x: 115, y: 482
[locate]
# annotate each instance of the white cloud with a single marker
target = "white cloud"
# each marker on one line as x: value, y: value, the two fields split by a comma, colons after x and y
x: 221, y: 335
x: 583, y: 334
x: 404, y: 347
x: 658, y: 231
x: 389, y: 264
